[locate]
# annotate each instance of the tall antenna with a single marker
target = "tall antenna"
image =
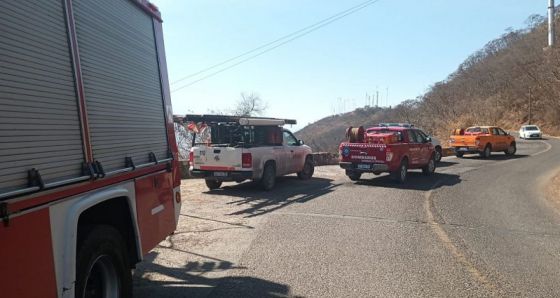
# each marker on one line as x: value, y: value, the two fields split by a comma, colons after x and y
x: 387, y: 97
x: 550, y: 23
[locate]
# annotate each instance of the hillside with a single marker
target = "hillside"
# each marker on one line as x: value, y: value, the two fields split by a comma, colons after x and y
x: 326, y: 134
x: 499, y: 84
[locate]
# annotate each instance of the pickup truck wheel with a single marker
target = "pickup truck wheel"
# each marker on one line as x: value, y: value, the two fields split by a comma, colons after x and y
x: 268, y: 179
x: 430, y: 168
x: 487, y: 152
x: 102, y: 265
x: 438, y: 154
x: 401, y: 173
x: 308, y: 170
x: 213, y: 184
x: 459, y: 154
x: 511, y: 150
x: 354, y: 176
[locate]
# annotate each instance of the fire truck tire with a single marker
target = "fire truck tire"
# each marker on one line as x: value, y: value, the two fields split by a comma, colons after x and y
x: 268, y: 179
x: 430, y: 168
x: 102, y: 264
x: 308, y: 170
x: 354, y: 176
x: 401, y: 173
x: 213, y: 184
x: 511, y: 149
x: 439, y: 153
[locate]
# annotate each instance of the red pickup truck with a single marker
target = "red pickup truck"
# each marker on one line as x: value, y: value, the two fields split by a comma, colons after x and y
x: 387, y: 149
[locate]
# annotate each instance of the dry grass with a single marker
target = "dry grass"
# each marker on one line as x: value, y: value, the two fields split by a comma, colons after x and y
x: 554, y: 190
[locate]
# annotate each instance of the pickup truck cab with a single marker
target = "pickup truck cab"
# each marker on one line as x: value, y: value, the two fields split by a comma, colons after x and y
x: 482, y: 140
x: 393, y: 149
x: 257, y: 149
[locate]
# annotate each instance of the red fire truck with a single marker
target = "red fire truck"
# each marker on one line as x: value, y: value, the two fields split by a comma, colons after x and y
x: 89, y: 175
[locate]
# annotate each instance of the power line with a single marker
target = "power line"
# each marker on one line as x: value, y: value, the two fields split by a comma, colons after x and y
x: 287, y: 38
x: 359, y: 6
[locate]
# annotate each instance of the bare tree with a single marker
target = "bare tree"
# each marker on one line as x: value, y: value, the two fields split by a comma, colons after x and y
x: 250, y: 104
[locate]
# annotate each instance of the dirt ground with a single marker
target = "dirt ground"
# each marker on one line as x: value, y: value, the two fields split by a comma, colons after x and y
x: 554, y: 191
x: 215, y: 229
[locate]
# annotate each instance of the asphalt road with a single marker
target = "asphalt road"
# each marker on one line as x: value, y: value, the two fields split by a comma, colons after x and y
x: 476, y: 228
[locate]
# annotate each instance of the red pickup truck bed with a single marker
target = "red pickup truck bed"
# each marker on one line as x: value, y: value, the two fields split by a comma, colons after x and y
x: 388, y: 149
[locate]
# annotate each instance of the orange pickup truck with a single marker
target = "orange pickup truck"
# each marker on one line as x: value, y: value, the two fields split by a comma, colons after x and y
x: 482, y: 140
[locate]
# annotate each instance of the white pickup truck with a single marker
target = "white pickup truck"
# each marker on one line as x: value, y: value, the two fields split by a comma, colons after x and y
x: 242, y: 148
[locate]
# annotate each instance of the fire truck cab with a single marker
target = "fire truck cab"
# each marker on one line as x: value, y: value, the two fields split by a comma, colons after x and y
x: 89, y: 175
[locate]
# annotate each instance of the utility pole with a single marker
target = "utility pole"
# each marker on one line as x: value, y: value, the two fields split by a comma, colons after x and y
x: 551, y: 38
x: 530, y: 106
x: 387, y: 98
x: 377, y: 99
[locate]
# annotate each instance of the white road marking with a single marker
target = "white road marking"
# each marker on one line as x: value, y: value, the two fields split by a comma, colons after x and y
x: 444, y: 238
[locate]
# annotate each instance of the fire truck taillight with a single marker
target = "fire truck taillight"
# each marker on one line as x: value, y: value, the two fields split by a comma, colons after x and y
x: 191, y: 158
x: 178, y: 197
x: 246, y: 160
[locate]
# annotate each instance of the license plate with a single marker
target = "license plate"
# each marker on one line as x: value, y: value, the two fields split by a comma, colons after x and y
x: 463, y: 149
x: 363, y: 166
x: 220, y: 174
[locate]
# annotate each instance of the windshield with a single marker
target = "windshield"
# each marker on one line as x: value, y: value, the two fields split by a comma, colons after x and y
x: 531, y: 128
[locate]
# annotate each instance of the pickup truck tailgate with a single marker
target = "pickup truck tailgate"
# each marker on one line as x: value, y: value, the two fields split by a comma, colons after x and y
x: 463, y: 141
x: 217, y: 158
x: 363, y: 152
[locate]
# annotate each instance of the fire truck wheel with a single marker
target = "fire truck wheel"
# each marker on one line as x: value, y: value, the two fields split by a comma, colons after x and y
x: 268, y: 179
x: 438, y: 153
x: 400, y: 175
x: 354, y: 176
x: 430, y: 168
x: 308, y: 170
x: 102, y: 264
x: 213, y: 184
x: 511, y: 150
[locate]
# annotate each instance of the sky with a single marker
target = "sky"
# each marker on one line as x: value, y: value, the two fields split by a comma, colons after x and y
x: 396, y: 49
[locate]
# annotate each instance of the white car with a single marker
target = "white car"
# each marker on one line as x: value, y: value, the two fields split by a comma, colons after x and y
x: 257, y: 149
x: 530, y: 132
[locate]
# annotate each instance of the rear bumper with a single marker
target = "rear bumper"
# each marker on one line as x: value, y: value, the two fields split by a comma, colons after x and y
x: 352, y: 166
x: 218, y: 175
x: 533, y: 136
x: 467, y: 150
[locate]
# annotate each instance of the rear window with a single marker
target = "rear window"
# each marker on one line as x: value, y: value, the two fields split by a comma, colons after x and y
x: 243, y: 136
x: 380, y: 130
